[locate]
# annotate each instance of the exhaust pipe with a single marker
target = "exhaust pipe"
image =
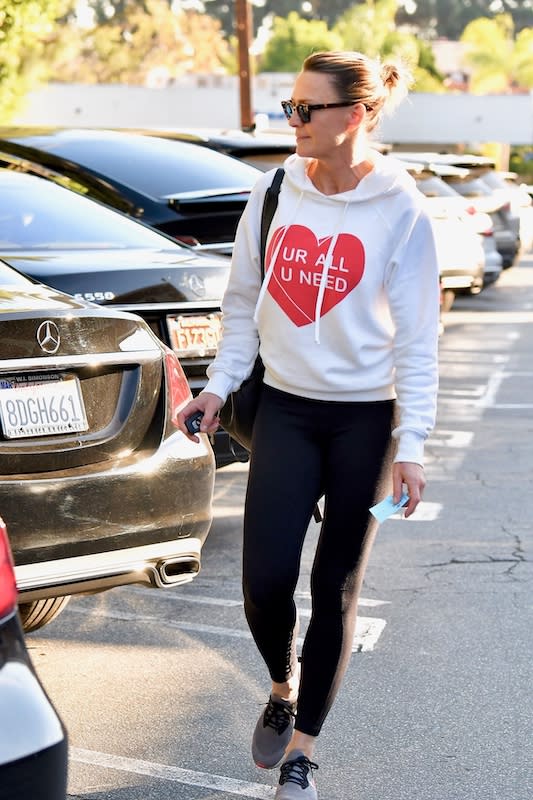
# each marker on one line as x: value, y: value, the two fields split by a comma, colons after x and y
x: 178, y: 570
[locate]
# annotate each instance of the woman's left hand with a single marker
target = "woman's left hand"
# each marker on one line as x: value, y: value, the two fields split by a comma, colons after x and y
x: 410, y: 475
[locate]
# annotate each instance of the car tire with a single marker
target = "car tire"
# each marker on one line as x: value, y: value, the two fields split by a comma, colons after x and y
x: 38, y: 613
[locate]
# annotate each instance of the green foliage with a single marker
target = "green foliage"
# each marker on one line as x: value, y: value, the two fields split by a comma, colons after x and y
x: 366, y: 27
x: 448, y: 18
x: 28, y: 39
x: 146, y: 42
x: 370, y: 28
x: 521, y: 162
x: 498, y: 61
x: 293, y: 39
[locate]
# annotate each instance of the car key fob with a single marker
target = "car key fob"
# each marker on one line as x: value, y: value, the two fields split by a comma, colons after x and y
x: 192, y: 423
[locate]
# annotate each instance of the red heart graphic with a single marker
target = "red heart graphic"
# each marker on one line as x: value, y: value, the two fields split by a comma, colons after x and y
x: 295, y: 280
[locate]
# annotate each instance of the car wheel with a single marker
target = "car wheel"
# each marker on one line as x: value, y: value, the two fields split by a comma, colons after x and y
x: 40, y: 612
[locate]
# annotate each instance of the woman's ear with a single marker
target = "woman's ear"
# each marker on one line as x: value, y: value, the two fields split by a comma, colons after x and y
x: 357, y: 115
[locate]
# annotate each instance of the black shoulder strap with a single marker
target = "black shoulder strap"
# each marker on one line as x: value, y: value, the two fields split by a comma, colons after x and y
x: 269, y: 209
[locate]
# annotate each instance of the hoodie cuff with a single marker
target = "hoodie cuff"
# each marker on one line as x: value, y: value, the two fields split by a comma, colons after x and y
x: 410, y: 448
x: 219, y: 384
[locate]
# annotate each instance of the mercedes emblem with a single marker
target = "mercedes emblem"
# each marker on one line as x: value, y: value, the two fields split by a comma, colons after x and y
x: 48, y: 337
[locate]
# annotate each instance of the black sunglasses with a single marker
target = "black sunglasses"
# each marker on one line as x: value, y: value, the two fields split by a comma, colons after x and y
x: 304, y: 109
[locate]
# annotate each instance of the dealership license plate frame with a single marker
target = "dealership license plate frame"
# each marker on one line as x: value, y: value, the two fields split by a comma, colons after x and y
x: 195, y: 335
x: 59, y: 392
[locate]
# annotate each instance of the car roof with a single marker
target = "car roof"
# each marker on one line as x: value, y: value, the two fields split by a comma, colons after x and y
x: 151, y: 165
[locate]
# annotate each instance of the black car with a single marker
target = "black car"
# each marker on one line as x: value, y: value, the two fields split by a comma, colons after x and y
x: 33, y: 740
x: 191, y: 193
x: 98, y: 487
x: 262, y: 149
x: 96, y: 254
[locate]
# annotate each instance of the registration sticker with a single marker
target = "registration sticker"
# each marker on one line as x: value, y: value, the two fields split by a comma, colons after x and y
x: 195, y: 335
x: 42, y: 406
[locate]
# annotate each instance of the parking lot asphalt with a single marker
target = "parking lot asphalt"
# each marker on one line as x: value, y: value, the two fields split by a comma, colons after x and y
x: 161, y: 690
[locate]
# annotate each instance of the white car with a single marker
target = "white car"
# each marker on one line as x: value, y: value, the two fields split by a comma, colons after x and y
x: 33, y: 740
x: 443, y: 201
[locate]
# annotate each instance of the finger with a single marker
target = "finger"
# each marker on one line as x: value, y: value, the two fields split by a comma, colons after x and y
x: 397, y: 486
x: 210, y: 425
x: 413, y: 491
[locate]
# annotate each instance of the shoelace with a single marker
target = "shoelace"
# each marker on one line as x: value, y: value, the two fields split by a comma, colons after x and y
x: 277, y: 716
x: 296, y: 771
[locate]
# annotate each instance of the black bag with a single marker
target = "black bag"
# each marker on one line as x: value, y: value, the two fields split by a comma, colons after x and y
x: 237, y: 415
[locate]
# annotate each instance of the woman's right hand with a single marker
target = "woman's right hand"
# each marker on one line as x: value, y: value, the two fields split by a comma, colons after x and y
x: 209, y: 404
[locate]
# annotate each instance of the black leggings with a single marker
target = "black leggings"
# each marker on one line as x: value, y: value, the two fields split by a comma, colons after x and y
x: 303, y: 449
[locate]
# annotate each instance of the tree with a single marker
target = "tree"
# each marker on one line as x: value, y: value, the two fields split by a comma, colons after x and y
x: 28, y: 37
x: 292, y: 40
x: 498, y: 61
x: 370, y: 28
x: 147, y: 42
x: 448, y: 18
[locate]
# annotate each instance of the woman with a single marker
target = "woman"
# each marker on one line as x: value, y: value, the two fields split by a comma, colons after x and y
x: 347, y: 321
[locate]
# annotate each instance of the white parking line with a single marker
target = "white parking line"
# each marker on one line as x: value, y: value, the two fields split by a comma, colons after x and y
x: 367, y: 629
x: 425, y: 512
x: 166, y: 772
x: 224, y: 602
x: 442, y: 438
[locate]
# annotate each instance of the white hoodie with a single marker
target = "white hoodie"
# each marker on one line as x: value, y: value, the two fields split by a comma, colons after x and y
x: 348, y: 309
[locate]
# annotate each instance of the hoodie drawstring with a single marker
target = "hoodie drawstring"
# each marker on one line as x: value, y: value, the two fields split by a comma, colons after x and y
x: 324, y: 277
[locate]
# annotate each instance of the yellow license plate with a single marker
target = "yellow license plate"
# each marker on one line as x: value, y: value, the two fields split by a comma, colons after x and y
x: 195, y: 335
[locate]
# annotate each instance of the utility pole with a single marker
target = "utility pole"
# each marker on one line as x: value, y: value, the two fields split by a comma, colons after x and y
x: 243, y: 15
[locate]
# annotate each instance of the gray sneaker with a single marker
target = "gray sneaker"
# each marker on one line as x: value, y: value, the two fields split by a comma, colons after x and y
x: 296, y: 778
x: 273, y: 733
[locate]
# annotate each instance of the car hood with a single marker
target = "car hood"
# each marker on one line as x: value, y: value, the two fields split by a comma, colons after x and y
x: 136, y: 276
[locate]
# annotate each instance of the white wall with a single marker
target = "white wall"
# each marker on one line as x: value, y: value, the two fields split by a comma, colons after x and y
x: 214, y: 101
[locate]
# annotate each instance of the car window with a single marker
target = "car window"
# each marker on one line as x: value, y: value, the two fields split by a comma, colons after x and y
x: 36, y: 213
x: 150, y: 165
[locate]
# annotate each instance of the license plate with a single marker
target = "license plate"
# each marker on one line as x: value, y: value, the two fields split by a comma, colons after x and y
x: 41, y: 407
x: 195, y: 336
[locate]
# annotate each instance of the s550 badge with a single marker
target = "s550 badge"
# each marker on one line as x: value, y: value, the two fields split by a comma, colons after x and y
x: 95, y: 297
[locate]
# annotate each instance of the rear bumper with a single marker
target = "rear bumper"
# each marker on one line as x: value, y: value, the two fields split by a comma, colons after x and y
x: 157, y: 565
x: 94, y: 528
x: 461, y: 280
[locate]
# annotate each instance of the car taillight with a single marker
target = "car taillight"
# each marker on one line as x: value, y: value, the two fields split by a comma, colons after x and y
x: 471, y: 210
x: 8, y: 586
x: 192, y: 241
x: 178, y: 390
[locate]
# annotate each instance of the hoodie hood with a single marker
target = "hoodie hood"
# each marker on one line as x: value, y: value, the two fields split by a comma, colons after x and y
x: 387, y: 177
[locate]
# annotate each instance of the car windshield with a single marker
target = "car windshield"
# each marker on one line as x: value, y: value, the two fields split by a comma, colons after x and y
x: 150, y: 165
x: 36, y: 213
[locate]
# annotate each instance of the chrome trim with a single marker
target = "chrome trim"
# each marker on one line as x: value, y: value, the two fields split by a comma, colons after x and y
x: 206, y: 194
x: 147, y: 565
x: 48, y: 337
x: 191, y: 306
x: 44, y: 363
